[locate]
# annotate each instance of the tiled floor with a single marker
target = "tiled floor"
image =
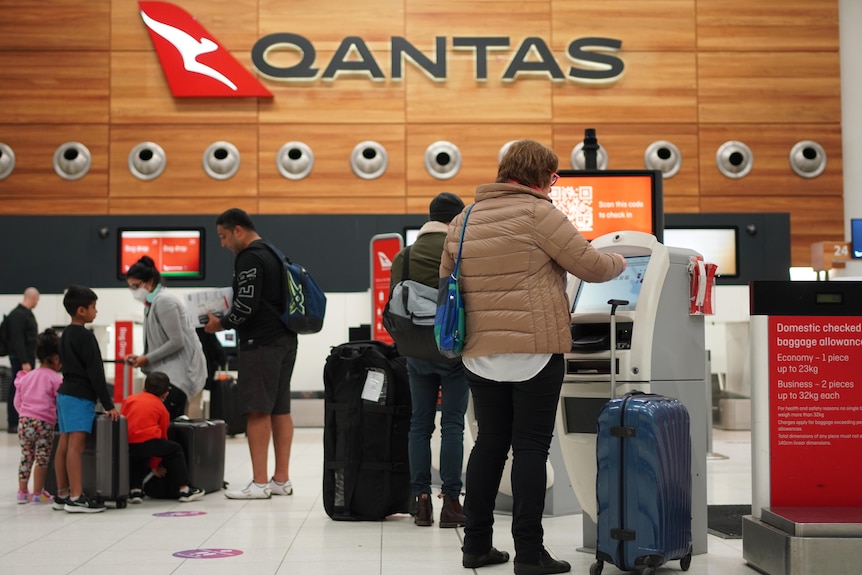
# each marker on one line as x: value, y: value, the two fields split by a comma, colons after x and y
x: 293, y: 535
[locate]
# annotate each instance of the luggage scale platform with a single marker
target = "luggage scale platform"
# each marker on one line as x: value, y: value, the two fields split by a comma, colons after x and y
x: 803, y: 540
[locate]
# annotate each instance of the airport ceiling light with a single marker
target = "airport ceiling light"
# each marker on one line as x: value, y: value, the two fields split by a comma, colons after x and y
x: 808, y: 159
x: 369, y: 160
x: 72, y: 161
x: 7, y: 160
x: 579, y: 161
x: 734, y: 159
x: 221, y: 160
x: 663, y: 156
x: 442, y: 159
x: 147, y: 161
x: 295, y: 160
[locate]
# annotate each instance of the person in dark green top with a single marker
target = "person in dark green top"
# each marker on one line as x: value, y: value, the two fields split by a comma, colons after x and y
x: 430, y: 379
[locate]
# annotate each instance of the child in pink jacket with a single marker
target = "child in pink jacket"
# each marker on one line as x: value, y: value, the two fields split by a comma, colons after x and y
x: 36, y: 402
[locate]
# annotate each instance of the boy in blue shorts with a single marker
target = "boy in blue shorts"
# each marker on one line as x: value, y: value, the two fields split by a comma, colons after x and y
x: 83, y: 383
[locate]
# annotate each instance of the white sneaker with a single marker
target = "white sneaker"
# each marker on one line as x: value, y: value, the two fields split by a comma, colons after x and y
x: 252, y: 491
x: 277, y: 488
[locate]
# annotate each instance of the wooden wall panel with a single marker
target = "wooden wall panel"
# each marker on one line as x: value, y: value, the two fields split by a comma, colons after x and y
x: 771, y: 174
x: 34, y: 179
x: 655, y: 87
x: 463, y: 99
x: 697, y: 73
x: 54, y: 87
x: 767, y: 25
x: 233, y: 23
x: 172, y: 206
x: 642, y: 26
x: 479, y: 146
x: 327, y: 22
x: 140, y: 95
x: 349, y: 99
x: 184, y: 176
x: 769, y: 87
x: 332, y: 177
x: 626, y: 145
x: 54, y: 25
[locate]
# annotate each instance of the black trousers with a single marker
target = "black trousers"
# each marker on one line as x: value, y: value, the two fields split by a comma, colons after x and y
x: 173, y: 459
x: 520, y: 415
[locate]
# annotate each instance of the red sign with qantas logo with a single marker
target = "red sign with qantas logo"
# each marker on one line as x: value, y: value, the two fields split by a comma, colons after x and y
x: 195, y: 64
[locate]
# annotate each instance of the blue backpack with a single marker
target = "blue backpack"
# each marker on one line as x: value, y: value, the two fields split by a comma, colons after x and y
x: 305, y: 303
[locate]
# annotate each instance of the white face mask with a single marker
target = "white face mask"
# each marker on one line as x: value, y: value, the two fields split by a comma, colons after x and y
x: 140, y: 294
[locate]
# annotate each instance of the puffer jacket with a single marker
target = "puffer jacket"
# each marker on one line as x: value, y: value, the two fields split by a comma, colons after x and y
x: 517, y: 250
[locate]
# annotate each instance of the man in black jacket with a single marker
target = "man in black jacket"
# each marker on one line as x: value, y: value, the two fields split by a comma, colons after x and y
x: 430, y: 379
x: 21, y: 332
x: 267, y: 353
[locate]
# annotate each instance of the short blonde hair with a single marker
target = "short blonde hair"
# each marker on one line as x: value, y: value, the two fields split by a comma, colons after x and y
x: 529, y: 163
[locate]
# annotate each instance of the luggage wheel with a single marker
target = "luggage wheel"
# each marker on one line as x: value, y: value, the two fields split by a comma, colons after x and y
x: 121, y: 503
x: 596, y: 568
x: 685, y: 562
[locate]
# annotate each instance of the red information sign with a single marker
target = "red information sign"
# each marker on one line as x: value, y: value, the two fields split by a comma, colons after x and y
x: 122, y: 348
x: 815, y: 411
x: 384, y: 248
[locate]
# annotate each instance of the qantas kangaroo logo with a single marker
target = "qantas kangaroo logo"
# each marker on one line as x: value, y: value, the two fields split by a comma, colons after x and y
x: 195, y: 64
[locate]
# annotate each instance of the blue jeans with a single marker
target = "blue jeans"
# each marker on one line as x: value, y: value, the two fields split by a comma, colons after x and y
x: 426, y: 379
x: 520, y: 415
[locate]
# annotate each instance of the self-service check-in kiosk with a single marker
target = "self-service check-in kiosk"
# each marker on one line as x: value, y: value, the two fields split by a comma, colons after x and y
x: 659, y: 349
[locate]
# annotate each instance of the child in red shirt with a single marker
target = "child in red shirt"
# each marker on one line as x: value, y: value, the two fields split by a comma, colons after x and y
x: 148, y: 421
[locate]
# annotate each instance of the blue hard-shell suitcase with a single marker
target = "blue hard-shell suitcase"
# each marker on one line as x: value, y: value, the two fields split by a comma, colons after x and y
x: 643, y: 485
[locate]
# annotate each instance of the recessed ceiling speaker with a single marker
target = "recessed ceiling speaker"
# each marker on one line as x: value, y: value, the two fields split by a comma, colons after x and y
x: 72, y: 161
x: 442, y: 159
x: 295, y: 160
x: 503, y: 149
x: 663, y: 156
x: 808, y: 159
x: 221, y: 160
x: 7, y: 160
x: 369, y: 160
x: 147, y: 161
x: 579, y: 162
x: 734, y: 159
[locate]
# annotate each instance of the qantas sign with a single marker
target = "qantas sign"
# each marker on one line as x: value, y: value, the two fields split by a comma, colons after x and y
x: 196, y: 65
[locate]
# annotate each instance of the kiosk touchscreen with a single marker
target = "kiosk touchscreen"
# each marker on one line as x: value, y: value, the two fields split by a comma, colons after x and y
x: 659, y: 349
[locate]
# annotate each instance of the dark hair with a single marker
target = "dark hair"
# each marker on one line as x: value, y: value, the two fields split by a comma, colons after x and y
x: 157, y: 382
x: 47, y: 344
x: 234, y: 217
x: 529, y: 163
x: 78, y: 296
x: 145, y: 270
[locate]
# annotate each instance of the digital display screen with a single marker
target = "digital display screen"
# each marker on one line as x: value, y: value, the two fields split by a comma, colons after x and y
x: 410, y: 235
x: 829, y: 297
x: 856, y: 238
x: 716, y: 245
x: 607, y: 201
x: 593, y: 297
x: 177, y: 253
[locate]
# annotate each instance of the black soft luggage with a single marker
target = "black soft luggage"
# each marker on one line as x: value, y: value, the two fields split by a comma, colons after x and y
x: 225, y: 404
x: 366, y: 474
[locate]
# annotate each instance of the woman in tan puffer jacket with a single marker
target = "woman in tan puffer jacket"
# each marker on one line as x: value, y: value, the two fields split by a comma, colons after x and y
x: 517, y: 250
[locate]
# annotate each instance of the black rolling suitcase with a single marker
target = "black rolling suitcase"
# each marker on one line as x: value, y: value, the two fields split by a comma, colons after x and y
x: 203, y: 442
x: 225, y: 404
x: 105, y: 461
x: 643, y: 484
x: 366, y: 474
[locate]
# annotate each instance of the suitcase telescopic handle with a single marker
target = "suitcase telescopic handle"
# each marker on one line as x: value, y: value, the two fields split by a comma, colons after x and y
x: 614, y: 303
